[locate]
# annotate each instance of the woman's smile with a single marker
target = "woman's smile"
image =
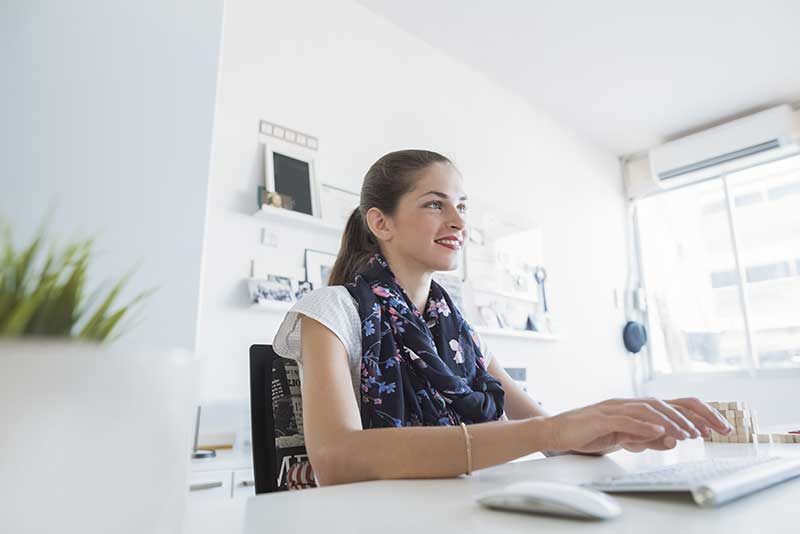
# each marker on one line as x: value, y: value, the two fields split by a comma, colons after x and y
x: 452, y: 242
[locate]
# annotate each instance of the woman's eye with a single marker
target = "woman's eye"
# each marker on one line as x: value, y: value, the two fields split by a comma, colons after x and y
x: 434, y: 204
x: 462, y: 208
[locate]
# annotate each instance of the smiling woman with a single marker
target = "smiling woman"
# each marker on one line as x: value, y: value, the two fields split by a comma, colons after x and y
x: 397, y: 384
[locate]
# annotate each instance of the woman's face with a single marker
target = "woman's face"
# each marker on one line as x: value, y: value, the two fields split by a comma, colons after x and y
x: 429, y: 225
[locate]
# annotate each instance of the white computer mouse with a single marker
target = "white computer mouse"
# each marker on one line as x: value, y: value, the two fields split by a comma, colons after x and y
x: 552, y: 498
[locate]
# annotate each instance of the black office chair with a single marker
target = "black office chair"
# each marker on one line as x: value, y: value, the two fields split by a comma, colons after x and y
x: 279, y: 452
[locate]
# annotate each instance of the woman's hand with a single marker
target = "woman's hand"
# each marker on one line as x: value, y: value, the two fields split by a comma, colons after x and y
x: 703, y: 417
x: 634, y: 424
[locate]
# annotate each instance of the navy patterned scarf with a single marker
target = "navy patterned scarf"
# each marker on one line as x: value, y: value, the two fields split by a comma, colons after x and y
x: 418, y: 370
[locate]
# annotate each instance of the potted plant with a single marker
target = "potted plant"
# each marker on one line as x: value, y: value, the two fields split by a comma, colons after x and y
x: 93, y: 436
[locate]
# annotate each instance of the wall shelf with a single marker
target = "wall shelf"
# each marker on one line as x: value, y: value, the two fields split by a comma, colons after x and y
x: 521, y: 334
x: 289, y: 217
x: 506, y: 295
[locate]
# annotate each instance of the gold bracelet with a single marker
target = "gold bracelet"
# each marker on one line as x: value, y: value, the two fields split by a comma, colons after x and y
x: 468, y: 445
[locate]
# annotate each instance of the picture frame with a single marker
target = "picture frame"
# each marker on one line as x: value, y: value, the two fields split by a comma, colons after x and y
x: 290, y: 170
x: 318, y: 265
x: 337, y: 204
x: 489, y: 317
x: 271, y: 288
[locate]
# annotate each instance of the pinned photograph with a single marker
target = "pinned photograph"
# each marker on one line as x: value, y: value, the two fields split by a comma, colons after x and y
x: 272, y: 288
x: 274, y: 199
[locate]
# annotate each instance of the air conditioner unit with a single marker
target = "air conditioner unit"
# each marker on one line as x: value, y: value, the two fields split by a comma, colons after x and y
x: 732, y: 146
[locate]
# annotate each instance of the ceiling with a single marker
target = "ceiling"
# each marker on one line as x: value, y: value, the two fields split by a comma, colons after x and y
x: 626, y: 74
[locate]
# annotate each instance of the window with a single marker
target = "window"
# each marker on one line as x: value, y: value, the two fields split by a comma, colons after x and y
x: 720, y: 263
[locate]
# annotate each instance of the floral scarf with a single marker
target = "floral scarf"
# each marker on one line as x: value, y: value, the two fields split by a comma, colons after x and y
x: 418, y: 370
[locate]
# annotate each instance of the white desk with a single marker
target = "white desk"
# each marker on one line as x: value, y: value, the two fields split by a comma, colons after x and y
x: 447, y: 505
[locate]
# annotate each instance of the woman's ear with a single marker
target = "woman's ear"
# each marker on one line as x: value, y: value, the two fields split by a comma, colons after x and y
x: 379, y: 224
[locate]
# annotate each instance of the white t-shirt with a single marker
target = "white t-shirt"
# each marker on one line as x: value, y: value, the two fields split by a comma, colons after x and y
x: 337, y: 310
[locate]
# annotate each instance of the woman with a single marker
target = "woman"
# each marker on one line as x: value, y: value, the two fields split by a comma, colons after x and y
x: 392, y: 374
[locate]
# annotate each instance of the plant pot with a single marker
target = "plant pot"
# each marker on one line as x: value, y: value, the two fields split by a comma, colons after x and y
x: 94, y: 439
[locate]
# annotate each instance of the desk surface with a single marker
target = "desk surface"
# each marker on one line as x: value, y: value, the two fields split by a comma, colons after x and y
x: 447, y: 504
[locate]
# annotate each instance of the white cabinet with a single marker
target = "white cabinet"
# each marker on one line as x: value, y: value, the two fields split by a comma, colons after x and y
x: 210, y: 485
x: 244, y: 483
x: 229, y: 475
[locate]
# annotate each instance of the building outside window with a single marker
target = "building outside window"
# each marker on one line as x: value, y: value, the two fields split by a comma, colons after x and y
x: 720, y: 264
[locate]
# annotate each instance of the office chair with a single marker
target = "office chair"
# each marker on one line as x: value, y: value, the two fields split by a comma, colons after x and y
x: 280, y: 460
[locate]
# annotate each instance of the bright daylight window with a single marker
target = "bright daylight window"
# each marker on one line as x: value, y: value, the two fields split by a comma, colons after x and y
x: 721, y: 271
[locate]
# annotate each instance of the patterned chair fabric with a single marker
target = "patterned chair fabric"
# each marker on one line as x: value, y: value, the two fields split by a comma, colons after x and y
x: 293, y: 468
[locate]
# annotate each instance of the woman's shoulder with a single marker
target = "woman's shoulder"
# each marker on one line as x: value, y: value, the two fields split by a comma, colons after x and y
x: 325, y: 298
x: 333, y: 307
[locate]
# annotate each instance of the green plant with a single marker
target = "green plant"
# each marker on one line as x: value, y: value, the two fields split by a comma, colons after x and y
x: 48, y: 297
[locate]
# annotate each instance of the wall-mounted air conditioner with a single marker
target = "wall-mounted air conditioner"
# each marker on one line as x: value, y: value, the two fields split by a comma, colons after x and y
x: 732, y: 146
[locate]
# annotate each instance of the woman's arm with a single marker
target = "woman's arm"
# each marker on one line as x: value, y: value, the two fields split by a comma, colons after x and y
x: 341, y: 451
x: 517, y: 404
x: 520, y: 405
x: 684, y: 418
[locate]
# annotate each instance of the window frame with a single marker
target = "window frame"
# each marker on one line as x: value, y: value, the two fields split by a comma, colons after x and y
x: 750, y: 365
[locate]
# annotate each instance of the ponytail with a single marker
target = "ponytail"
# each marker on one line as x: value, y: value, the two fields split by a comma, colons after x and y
x: 386, y: 181
x: 358, y: 246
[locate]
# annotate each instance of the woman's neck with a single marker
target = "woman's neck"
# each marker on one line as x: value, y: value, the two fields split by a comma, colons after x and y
x: 413, y: 278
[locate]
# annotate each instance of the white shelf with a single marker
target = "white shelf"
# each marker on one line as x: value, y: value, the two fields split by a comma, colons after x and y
x: 506, y: 295
x: 289, y: 217
x: 275, y: 307
x: 523, y: 334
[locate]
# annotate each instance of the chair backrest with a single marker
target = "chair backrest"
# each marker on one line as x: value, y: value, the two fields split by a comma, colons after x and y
x: 275, y: 418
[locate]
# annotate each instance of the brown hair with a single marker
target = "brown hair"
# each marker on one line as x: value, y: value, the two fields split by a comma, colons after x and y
x: 386, y: 181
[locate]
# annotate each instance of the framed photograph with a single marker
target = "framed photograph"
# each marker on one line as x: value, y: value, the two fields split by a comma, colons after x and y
x: 502, y: 320
x: 272, y: 288
x: 489, y: 317
x: 290, y: 172
x: 318, y: 267
x: 337, y: 204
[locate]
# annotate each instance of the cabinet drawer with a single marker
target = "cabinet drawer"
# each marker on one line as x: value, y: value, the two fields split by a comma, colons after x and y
x: 210, y: 484
x: 244, y: 484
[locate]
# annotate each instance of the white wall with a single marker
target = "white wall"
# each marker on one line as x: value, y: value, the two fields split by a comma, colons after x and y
x: 773, y: 393
x: 365, y: 87
x: 107, y: 114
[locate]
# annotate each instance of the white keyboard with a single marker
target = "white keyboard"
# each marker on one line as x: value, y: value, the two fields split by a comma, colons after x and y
x: 712, y: 481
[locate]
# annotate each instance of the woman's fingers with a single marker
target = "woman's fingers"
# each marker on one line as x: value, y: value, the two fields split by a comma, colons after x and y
x: 702, y: 425
x: 661, y: 444
x: 670, y: 410
x: 709, y: 415
x: 677, y: 418
x: 645, y: 412
x: 686, y: 424
x: 623, y: 424
x: 636, y: 424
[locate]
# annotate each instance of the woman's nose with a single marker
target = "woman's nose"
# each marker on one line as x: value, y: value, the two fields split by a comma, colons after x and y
x: 458, y: 220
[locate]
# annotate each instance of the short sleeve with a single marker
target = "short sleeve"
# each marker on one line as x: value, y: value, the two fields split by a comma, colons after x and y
x: 333, y: 307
